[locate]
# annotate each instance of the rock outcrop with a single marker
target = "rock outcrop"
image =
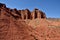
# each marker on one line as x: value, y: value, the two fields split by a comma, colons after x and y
x: 2, y: 5
x: 38, y: 14
x: 21, y: 14
x: 19, y: 25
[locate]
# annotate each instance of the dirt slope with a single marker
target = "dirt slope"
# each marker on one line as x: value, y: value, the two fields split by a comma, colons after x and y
x: 20, y: 30
x: 45, y: 29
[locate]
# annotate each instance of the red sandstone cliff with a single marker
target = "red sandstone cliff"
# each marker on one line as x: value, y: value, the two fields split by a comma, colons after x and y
x: 25, y: 25
x: 21, y: 14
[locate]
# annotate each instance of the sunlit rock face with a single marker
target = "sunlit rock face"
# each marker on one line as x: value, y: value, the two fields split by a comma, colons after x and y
x: 38, y: 14
x: 27, y: 25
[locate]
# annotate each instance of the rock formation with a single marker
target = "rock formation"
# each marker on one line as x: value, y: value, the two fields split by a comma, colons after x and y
x: 21, y: 14
x: 38, y: 14
x: 19, y: 25
x: 2, y: 5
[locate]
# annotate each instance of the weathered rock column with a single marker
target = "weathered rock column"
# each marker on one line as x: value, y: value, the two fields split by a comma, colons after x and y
x: 19, y: 11
x: 38, y: 14
x: 22, y: 14
x: 26, y: 14
x: 33, y: 14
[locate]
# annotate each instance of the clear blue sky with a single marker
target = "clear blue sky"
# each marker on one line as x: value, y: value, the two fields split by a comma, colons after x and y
x: 50, y: 7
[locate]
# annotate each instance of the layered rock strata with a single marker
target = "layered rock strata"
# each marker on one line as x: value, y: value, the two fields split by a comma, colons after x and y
x: 21, y: 14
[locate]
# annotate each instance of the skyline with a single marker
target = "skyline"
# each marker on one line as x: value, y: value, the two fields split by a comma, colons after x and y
x: 50, y: 7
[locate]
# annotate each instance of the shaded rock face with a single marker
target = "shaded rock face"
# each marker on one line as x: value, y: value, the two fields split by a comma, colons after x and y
x: 2, y: 5
x: 21, y: 14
